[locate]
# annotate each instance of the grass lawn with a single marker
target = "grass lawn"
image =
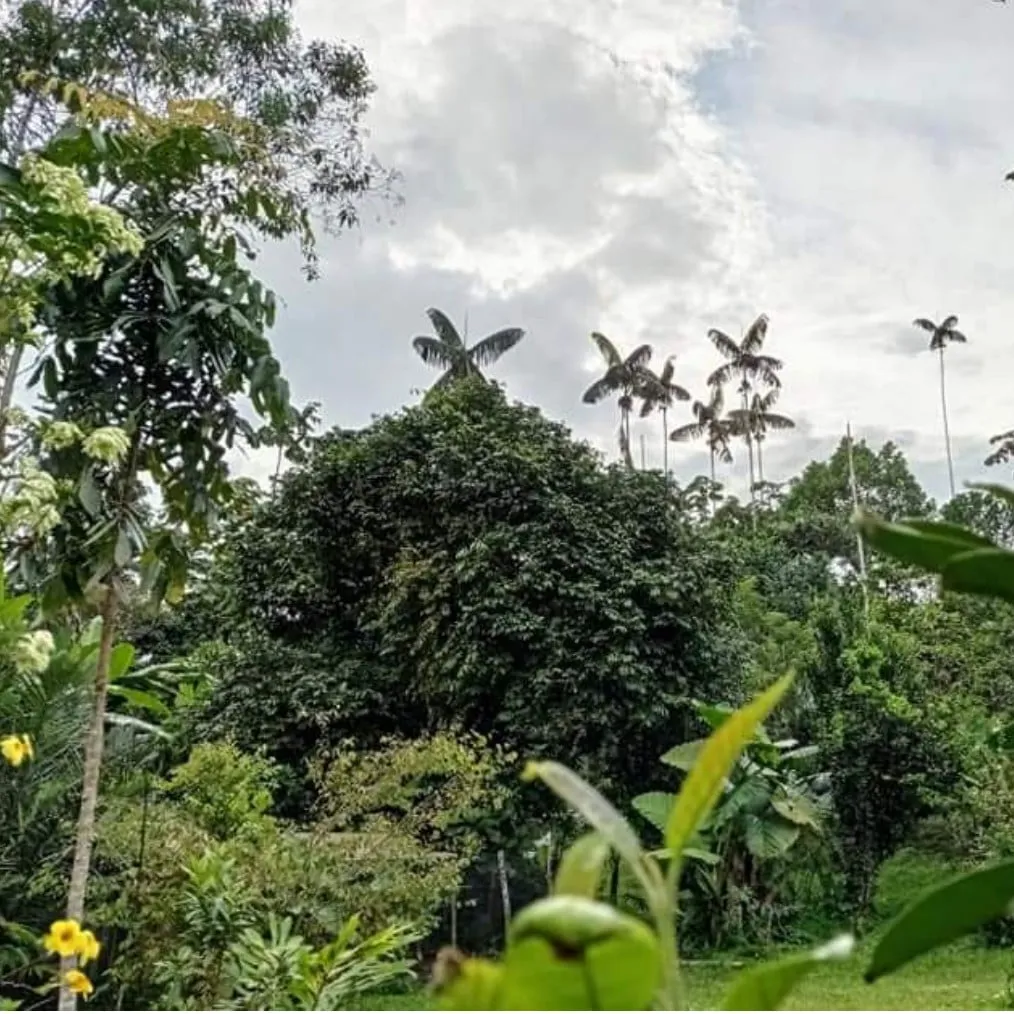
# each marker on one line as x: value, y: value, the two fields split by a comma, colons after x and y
x: 960, y: 978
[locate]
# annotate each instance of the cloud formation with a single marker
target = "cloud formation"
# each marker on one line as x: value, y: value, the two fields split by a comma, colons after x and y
x: 653, y: 168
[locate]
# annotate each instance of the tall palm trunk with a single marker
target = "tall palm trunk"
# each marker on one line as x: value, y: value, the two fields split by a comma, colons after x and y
x: 711, y: 492
x: 628, y: 454
x: 665, y: 445
x: 94, y: 741
x: 760, y: 459
x: 947, y: 430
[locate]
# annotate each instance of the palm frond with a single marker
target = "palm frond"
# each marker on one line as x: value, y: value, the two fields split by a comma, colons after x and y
x: 639, y: 358
x: 691, y: 431
x: 724, y: 344
x: 668, y: 369
x: 433, y: 351
x: 678, y: 393
x: 445, y: 330
x: 717, y: 378
x: 609, y: 383
x: 949, y: 323
x: 755, y: 335
x: 925, y: 323
x: 954, y: 335
x: 607, y: 348
x: 492, y: 347
x: 777, y: 422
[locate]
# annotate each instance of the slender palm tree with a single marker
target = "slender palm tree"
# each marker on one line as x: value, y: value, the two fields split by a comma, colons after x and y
x: 630, y: 378
x: 710, y: 424
x: 756, y: 419
x: 662, y: 393
x: 448, y: 350
x: 941, y: 335
x: 746, y: 362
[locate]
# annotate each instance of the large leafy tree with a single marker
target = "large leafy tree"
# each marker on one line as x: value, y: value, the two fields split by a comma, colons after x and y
x: 662, y: 392
x: 746, y: 362
x: 148, y: 355
x: 941, y: 335
x: 449, y: 353
x: 628, y: 378
x: 466, y: 562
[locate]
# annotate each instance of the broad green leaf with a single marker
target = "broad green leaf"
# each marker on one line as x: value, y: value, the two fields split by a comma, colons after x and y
x: 766, y: 986
x: 655, y: 807
x: 703, y: 786
x: 943, y: 914
x: 769, y: 837
x: 121, y: 553
x: 141, y: 699
x: 137, y: 724
x: 794, y: 807
x: 801, y: 753
x: 949, y: 530
x: 929, y: 545
x: 88, y: 493
x: 580, y: 870
x: 590, y: 804
x: 684, y: 755
x: 121, y: 658
x: 568, y: 953
x: 982, y: 572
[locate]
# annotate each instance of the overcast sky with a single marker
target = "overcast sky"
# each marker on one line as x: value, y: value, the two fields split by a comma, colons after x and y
x: 653, y: 168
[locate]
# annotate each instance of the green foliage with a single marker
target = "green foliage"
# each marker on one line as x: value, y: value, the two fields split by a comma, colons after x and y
x: 905, y: 875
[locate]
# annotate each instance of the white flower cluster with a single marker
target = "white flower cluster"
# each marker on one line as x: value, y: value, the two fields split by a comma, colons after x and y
x: 32, y: 652
x: 58, y: 436
x: 108, y: 444
x: 32, y: 506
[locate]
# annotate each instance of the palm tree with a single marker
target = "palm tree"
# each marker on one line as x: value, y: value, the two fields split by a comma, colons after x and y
x: 755, y: 420
x: 1004, y: 452
x: 448, y: 351
x: 745, y: 361
x: 630, y: 377
x: 710, y: 424
x: 942, y: 335
x: 662, y: 393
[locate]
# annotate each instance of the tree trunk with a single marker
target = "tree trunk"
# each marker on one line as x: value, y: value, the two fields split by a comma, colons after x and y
x: 749, y: 451
x: 760, y: 460
x: 711, y: 493
x: 505, y: 894
x: 94, y: 740
x: 947, y: 430
x: 665, y: 445
x: 628, y: 456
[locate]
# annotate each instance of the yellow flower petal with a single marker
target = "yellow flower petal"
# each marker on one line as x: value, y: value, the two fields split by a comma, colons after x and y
x: 87, y: 947
x: 13, y: 750
x: 62, y: 938
x: 78, y: 982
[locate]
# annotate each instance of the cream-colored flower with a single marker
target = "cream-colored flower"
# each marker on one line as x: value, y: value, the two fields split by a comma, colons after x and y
x: 108, y: 443
x: 60, y: 435
x: 33, y: 651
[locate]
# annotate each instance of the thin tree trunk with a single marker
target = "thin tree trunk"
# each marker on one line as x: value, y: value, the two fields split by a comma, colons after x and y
x: 644, y: 454
x: 628, y: 457
x: 665, y: 445
x: 749, y: 451
x: 947, y: 430
x: 505, y: 894
x: 94, y: 741
x: 760, y: 460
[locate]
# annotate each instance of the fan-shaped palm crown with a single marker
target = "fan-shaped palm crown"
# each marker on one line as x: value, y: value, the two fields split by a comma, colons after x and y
x: 660, y: 390
x: 757, y: 418
x: 941, y: 334
x: 448, y: 352
x: 744, y: 359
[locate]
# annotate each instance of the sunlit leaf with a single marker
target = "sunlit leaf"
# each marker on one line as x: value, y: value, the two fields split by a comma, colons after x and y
x: 766, y: 986
x: 654, y: 807
x: 684, y: 755
x: 703, y: 785
x: 580, y: 869
x: 943, y: 914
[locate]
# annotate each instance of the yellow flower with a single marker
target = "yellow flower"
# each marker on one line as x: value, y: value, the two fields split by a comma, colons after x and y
x: 16, y: 750
x: 78, y: 982
x: 63, y: 938
x: 88, y: 947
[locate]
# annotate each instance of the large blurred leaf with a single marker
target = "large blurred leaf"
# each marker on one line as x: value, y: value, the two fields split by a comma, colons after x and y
x: 684, y: 755
x: 580, y: 870
x: 704, y: 784
x: 943, y: 914
x: 795, y: 807
x: 764, y: 987
x: 769, y: 837
x: 982, y: 572
x: 574, y: 954
x: 929, y: 545
x: 590, y: 804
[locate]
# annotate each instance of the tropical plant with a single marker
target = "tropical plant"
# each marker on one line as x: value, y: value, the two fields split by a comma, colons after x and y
x: 1004, y: 444
x: 661, y: 393
x: 754, y: 421
x: 746, y: 362
x: 629, y: 378
x: 448, y: 352
x: 942, y: 335
x: 770, y: 801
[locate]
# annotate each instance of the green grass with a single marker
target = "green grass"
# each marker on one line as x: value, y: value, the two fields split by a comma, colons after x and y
x: 959, y: 978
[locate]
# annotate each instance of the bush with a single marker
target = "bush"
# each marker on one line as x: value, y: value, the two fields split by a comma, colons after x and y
x: 904, y: 876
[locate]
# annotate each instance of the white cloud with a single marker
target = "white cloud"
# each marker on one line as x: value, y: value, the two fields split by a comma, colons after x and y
x: 568, y: 167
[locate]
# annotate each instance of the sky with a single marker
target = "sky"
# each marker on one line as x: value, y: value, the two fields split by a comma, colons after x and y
x: 655, y: 168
